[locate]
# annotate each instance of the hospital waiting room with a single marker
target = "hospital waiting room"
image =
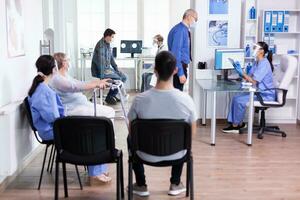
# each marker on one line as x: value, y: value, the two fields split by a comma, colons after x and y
x: 150, y: 99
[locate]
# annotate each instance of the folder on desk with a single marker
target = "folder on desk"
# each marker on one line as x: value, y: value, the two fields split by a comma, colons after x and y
x: 274, y: 27
x: 268, y: 21
x: 280, y: 21
x: 286, y: 21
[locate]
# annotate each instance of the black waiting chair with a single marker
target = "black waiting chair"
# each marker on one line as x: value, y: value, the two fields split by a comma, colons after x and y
x: 84, y: 140
x: 160, y: 137
x: 48, y: 143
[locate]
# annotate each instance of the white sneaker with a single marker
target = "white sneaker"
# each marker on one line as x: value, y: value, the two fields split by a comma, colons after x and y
x: 176, y: 189
x: 140, y: 190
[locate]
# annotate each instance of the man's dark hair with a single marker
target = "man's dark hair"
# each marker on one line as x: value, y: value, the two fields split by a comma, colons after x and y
x: 108, y: 32
x: 165, y: 64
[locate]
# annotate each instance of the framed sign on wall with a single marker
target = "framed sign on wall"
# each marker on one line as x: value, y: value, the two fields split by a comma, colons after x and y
x: 15, y: 28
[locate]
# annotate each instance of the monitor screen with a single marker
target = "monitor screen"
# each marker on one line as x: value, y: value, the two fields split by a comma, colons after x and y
x: 131, y: 46
x: 222, y: 55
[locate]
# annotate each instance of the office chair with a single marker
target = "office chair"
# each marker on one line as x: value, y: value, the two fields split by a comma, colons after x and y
x: 48, y: 143
x: 84, y: 140
x: 283, y: 77
x: 160, y: 137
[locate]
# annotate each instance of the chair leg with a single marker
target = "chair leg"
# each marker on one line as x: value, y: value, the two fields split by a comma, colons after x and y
x: 118, y: 179
x: 42, y: 171
x: 130, y: 194
x: 187, y: 179
x: 50, y: 158
x: 122, y: 176
x: 274, y: 130
x: 56, y: 180
x: 260, y: 133
x: 191, y: 179
x: 65, y: 179
x: 78, y: 176
x: 53, y: 158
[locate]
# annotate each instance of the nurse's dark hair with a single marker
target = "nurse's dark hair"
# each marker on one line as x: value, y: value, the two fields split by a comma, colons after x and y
x: 165, y: 64
x: 266, y: 49
x: 45, y: 65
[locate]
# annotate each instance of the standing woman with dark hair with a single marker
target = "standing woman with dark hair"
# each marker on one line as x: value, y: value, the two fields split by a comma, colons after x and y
x: 44, y: 103
x: 260, y: 76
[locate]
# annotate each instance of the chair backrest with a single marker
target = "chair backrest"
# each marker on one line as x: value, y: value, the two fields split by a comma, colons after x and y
x: 160, y: 137
x: 27, y: 109
x: 28, y: 113
x: 83, y: 139
x: 284, y: 74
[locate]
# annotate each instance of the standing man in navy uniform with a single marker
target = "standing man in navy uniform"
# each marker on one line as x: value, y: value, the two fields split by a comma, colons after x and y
x: 179, y: 43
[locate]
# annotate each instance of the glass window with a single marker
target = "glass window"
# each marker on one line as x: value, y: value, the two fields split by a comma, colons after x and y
x: 156, y: 20
x: 123, y: 20
x: 91, y: 22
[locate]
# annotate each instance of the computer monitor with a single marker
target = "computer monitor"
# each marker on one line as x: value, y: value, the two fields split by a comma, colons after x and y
x: 131, y: 46
x: 222, y: 62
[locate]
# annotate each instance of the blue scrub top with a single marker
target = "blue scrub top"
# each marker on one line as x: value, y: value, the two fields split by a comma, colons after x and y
x: 262, y: 73
x: 45, y: 107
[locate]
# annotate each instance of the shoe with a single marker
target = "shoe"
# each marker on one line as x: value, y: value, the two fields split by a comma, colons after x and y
x: 231, y: 129
x: 117, y: 99
x: 110, y: 100
x: 141, y: 191
x: 176, y: 189
x: 99, y: 180
x: 243, y: 125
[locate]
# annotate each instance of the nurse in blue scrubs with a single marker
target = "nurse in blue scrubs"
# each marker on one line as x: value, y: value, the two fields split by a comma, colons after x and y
x: 261, y: 76
x: 46, y: 107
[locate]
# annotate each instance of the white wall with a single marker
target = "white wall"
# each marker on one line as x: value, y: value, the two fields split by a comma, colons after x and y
x: 16, y: 75
x: 202, y: 52
x: 177, y: 8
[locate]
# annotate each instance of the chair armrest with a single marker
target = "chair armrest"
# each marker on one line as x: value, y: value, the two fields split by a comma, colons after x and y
x: 263, y: 103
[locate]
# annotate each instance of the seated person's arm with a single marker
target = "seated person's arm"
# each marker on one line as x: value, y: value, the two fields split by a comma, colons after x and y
x: 249, y: 79
x: 97, y: 83
x: 65, y: 85
x: 132, y: 114
x: 113, y: 63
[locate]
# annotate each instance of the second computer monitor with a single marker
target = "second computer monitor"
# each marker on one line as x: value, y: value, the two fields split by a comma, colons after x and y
x: 222, y: 55
x: 131, y: 46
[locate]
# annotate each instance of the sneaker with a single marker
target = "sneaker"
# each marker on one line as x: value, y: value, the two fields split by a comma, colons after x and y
x: 243, y: 125
x: 140, y: 190
x: 99, y: 180
x: 231, y: 129
x: 110, y: 100
x: 176, y: 189
x: 117, y: 99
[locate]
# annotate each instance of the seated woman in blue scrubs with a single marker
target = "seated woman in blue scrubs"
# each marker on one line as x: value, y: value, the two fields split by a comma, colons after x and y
x: 259, y: 75
x: 45, y: 106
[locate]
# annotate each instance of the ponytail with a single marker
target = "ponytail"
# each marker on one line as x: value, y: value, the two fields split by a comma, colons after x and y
x: 44, y: 65
x: 35, y: 83
x: 270, y: 59
x: 269, y: 53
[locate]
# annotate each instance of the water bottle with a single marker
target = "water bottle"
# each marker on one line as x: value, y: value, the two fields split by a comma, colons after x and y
x: 248, y: 50
x: 248, y: 68
x: 252, y: 13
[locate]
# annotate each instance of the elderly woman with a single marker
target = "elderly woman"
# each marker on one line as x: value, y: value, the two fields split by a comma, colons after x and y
x: 75, y: 103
